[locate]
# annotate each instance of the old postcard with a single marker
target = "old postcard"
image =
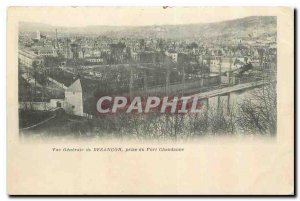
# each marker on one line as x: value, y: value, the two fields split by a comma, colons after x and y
x: 150, y: 101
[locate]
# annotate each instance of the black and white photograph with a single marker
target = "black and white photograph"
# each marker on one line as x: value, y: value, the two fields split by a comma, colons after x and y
x: 178, y: 81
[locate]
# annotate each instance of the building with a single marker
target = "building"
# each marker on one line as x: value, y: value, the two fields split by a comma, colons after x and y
x: 173, y: 55
x: 226, y: 63
x: 135, y: 56
x: 27, y: 58
x: 94, y: 60
x: 73, y: 99
x: 38, y: 35
x: 46, y: 52
x: 80, y: 99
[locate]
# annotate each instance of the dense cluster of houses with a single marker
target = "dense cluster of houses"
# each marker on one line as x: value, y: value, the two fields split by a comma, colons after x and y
x: 92, y: 50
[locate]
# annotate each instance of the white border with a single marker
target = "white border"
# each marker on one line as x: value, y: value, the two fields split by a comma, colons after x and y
x: 3, y: 13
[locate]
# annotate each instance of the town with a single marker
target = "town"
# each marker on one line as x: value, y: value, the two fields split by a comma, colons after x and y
x: 67, y: 71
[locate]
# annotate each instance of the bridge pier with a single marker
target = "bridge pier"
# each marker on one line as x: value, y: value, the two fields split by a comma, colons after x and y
x: 206, y: 101
x: 225, y: 104
x: 231, y: 99
x: 219, y: 105
x: 228, y: 102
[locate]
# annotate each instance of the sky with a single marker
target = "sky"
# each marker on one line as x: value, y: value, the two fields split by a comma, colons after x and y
x: 132, y: 16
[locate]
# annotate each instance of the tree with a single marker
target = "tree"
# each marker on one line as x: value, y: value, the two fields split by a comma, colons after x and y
x: 161, y: 45
x: 117, y: 52
x: 127, y: 56
x: 142, y: 44
x: 258, y: 113
x: 193, y: 45
x: 35, y: 66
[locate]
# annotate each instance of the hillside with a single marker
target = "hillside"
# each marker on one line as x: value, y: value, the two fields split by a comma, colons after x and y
x: 242, y: 26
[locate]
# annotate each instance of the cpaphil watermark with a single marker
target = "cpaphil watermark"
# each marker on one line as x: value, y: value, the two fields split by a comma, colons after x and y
x: 144, y: 105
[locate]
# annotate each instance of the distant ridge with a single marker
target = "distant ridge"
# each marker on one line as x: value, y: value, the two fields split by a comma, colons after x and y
x: 242, y: 26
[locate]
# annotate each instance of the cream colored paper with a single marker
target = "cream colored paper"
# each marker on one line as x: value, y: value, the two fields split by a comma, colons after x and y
x: 218, y: 165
